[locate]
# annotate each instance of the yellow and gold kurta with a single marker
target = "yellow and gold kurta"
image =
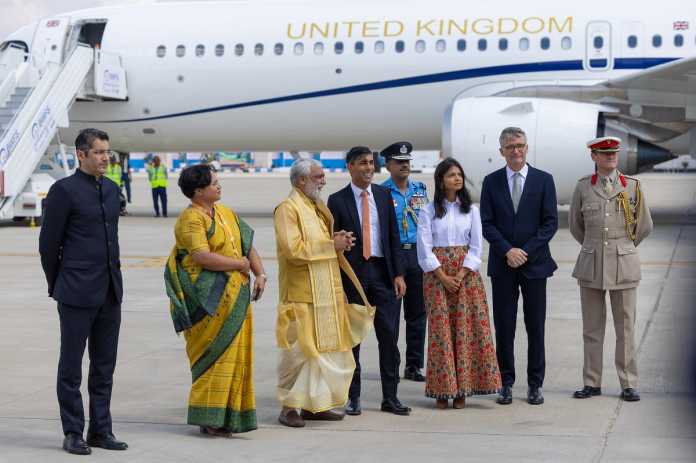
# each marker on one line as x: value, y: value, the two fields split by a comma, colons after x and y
x: 316, y: 327
x: 213, y: 310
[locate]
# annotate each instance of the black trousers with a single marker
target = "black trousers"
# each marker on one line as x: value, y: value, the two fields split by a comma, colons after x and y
x: 506, y: 291
x: 380, y: 293
x: 99, y: 325
x: 161, y: 193
x: 414, y: 310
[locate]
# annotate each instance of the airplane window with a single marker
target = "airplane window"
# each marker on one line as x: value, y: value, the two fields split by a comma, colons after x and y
x: 161, y: 51
x: 379, y: 47
x: 566, y: 43
x: 632, y: 41
x: 420, y: 46
x: 338, y: 48
x: 503, y: 44
x: 200, y: 50
x: 399, y: 46
x: 258, y: 49
x: 239, y: 49
x: 482, y: 44
x: 298, y: 48
x: 657, y: 40
x: 546, y: 43
x: 319, y: 48
x: 461, y: 45
x: 524, y: 44
x: 278, y: 49
x: 441, y: 45
x: 180, y: 51
x: 219, y: 49
x: 359, y: 47
x: 598, y: 42
x: 678, y: 40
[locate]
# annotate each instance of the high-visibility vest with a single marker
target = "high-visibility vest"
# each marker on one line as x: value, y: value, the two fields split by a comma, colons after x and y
x: 113, y: 173
x: 157, y: 176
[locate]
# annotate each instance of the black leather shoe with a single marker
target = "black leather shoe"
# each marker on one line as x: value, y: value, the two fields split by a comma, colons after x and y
x: 353, y: 407
x: 392, y: 405
x: 587, y: 391
x: 106, y: 441
x: 414, y: 374
x: 534, y: 396
x: 75, y: 444
x: 630, y: 395
x: 505, y: 395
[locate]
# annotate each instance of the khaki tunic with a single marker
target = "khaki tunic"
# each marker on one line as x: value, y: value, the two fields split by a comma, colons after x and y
x: 608, y: 258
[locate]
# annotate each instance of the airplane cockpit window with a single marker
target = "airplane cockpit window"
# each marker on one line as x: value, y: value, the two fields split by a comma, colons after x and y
x: 461, y: 45
x: 566, y: 43
x: 200, y: 50
x: 399, y: 46
x: 319, y: 48
x: 420, y: 46
x: 657, y: 40
x: 503, y: 44
x: 678, y: 40
x: 338, y: 48
x: 258, y: 49
x: 239, y: 49
x: 219, y: 49
x: 180, y: 51
x: 161, y: 51
x: 379, y: 47
x: 545, y: 43
x: 278, y: 49
x: 359, y: 47
x: 482, y: 44
x: 524, y: 44
x: 441, y: 45
x: 298, y: 49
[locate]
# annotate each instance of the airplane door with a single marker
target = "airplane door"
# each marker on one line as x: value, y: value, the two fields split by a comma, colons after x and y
x: 49, y: 40
x: 598, y: 56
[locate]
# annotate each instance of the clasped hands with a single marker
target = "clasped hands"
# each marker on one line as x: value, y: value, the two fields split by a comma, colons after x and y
x: 516, y: 257
x: 454, y: 282
x: 343, y: 240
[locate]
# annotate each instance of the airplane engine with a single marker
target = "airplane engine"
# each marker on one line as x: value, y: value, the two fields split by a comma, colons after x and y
x: 557, y: 133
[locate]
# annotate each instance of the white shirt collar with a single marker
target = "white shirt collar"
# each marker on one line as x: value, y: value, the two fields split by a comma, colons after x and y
x: 523, y: 171
x: 358, y: 191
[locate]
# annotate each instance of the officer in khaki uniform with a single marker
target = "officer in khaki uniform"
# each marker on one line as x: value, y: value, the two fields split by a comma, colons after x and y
x: 609, y: 217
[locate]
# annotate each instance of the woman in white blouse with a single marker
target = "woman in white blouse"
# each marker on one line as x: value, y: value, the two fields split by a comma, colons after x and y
x: 461, y: 356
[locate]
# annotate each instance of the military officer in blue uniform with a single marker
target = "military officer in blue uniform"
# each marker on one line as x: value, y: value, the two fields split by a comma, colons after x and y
x: 409, y: 198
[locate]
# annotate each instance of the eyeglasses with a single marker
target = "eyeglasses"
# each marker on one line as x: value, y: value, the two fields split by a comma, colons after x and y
x: 103, y: 152
x: 518, y: 146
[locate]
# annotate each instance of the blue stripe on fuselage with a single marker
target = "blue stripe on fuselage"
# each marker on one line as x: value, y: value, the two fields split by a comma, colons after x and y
x: 525, y: 68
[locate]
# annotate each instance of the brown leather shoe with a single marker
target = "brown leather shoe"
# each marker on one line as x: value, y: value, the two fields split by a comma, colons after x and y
x: 441, y: 404
x: 459, y: 403
x: 328, y: 415
x: 291, y: 419
x: 217, y: 432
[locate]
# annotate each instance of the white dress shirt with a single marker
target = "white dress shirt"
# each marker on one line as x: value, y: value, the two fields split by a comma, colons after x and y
x: 375, y: 241
x: 523, y: 172
x: 453, y: 229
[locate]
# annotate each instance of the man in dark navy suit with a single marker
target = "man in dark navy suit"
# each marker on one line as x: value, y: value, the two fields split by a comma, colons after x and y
x: 367, y: 210
x: 519, y: 217
x: 80, y: 257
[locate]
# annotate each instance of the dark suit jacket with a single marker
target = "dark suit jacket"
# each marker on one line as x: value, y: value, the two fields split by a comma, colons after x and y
x: 345, y: 213
x: 79, y: 240
x: 530, y: 229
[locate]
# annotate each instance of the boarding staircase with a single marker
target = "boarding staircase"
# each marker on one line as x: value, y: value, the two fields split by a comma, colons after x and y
x: 34, y: 104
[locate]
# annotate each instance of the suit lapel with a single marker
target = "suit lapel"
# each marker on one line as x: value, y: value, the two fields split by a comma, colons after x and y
x: 618, y: 187
x: 527, y: 185
x: 349, y: 199
x: 505, y: 187
x: 382, y: 209
x: 597, y: 188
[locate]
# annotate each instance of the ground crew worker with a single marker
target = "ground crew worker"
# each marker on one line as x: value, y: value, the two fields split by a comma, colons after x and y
x: 409, y: 197
x: 157, y: 174
x: 609, y: 217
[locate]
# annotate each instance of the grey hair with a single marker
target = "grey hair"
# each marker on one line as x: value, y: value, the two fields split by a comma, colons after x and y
x: 510, y: 132
x: 301, y: 168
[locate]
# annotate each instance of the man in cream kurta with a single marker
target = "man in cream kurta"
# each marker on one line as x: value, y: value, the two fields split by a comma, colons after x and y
x: 316, y: 327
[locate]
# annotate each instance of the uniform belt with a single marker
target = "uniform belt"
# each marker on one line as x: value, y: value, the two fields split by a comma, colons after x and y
x: 408, y: 246
x: 608, y: 234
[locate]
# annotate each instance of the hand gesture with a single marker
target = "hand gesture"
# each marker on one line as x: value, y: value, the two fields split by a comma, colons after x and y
x: 516, y: 257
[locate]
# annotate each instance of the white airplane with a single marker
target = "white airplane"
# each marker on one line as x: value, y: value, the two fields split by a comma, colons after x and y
x: 321, y: 75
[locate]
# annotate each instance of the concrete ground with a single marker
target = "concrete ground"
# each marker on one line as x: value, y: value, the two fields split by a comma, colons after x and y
x: 152, y: 377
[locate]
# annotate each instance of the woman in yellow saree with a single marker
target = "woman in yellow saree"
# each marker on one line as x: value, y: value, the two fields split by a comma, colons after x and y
x: 207, y: 281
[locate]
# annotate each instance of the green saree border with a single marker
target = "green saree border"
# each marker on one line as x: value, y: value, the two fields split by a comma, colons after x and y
x: 234, y: 420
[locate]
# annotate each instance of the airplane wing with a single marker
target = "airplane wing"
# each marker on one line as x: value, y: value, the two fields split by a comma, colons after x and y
x: 678, y: 76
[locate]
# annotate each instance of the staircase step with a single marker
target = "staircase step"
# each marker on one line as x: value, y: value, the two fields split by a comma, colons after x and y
x: 22, y: 90
x: 7, y: 112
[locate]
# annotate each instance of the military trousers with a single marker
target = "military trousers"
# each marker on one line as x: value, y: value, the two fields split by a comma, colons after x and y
x: 594, y: 318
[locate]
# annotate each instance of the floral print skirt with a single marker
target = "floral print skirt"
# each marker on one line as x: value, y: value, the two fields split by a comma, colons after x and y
x: 461, y: 356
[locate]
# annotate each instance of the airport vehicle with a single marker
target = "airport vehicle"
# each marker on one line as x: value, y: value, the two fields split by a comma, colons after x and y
x: 321, y: 75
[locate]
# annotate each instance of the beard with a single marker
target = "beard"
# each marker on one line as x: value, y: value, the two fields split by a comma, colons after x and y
x: 313, y: 191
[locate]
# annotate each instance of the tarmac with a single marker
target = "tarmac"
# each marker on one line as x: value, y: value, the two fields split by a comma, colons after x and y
x: 152, y: 377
